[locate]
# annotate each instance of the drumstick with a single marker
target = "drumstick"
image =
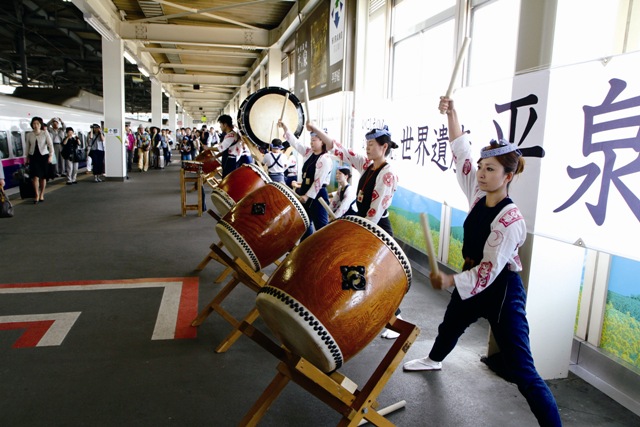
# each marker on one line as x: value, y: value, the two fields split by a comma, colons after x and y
x: 324, y: 205
x: 387, y: 410
x: 306, y: 100
x: 456, y: 68
x: 327, y: 208
x: 284, y: 107
x: 433, y: 263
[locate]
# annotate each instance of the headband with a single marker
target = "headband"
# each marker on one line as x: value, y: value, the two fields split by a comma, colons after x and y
x: 315, y: 134
x: 376, y: 133
x: 503, y: 147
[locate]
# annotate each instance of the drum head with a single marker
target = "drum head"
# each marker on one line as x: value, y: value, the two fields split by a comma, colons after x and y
x: 259, y: 114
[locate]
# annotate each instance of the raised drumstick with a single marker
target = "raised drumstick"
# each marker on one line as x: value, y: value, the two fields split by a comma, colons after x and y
x: 456, y: 69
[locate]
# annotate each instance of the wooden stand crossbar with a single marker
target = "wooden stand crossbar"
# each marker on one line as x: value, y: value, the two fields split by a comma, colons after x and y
x: 333, y: 389
x: 242, y: 273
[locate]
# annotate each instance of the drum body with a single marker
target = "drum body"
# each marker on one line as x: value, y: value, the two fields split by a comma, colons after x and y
x: 192, y: 166
x: 236, y: 185
x: 335, y: 291
x: 264, y: 225
x: 209, y: 161
x: 259, y: 114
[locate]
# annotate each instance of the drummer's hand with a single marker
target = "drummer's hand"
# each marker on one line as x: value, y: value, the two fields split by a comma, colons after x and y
x: 304, y: 198
x: 284, y: 127
x: 445, y: 105
x: 310, y: 126
x: 441, y: 280
x: 295, y: 184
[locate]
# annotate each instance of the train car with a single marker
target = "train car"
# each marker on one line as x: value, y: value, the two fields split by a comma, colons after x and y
x: 15, y: 124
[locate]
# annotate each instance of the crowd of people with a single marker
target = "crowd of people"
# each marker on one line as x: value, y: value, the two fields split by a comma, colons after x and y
x: 55, y: 150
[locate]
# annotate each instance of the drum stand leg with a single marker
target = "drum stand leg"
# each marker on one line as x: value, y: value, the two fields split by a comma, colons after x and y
x: 214, y: 256
x: 333, y: 389
x: 242, y: 274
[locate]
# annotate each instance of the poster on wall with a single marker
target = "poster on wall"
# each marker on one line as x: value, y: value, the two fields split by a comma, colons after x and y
x: 320, y: 46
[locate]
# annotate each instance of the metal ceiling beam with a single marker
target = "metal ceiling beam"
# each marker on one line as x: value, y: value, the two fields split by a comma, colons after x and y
x: 181, y: 34
x: 199, y: 79
x: 200, y: 52
x: 204, y: 67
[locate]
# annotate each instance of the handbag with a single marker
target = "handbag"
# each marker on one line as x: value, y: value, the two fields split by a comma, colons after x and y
x: 81, y: 155
x: 6, y: 208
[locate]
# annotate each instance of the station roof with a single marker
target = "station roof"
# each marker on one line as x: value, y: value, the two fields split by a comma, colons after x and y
x: 217, y: 45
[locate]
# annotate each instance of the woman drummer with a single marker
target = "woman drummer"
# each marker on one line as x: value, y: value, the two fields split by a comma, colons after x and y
x: 378, y: 181
x: 316, y: 172
x: 489, y: 285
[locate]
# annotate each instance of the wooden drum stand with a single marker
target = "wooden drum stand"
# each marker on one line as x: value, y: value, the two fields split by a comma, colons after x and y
x: 334, y: 389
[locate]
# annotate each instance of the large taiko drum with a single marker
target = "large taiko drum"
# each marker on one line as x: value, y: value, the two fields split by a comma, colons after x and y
x: 209, y: 161
x: 259, y: 114
x: 336, y: 291
x: 264, y: 225
x: 236, y: 185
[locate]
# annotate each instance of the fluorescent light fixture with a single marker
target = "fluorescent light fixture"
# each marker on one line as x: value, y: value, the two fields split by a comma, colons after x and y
x: 143, y: 71
x: 129, y: 58
x: 100, y: 27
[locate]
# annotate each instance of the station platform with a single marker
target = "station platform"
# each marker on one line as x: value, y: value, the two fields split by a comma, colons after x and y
x: 97, y: 292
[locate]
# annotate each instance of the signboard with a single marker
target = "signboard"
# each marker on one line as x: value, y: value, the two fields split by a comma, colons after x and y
x: 320, y: 46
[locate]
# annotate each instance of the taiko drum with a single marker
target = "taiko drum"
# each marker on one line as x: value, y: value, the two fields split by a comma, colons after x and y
x: 236, y: 185
x: 209, y: 161
x: 335, y: 291
x: 264, y: 225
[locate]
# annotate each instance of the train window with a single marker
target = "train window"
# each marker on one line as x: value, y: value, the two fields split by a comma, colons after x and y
x: 16, y: 143
x: 4, y: 145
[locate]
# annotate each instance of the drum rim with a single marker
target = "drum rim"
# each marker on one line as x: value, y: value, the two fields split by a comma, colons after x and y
x: 255, y: 262
x: 288, y: 193
x: 223, y: 196
x: 387, y: 239
x: 260, y: 172
x: 252, y: 98
x: 331, y: 349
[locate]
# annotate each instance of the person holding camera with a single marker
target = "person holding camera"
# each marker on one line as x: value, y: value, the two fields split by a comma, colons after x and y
x: 96, y: 144
x: 70, y: 146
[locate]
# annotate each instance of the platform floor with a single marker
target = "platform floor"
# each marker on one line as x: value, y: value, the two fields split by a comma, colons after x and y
x: 114, y: 263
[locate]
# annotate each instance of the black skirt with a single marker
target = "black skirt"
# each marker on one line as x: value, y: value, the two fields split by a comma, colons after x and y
x: 39, y: 165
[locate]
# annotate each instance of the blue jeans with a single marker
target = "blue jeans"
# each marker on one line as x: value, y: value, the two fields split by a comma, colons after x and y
x: 511, y: 330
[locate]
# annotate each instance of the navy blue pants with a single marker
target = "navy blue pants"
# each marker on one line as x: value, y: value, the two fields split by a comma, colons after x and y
x: 318, y: 216
x: 503, y: 305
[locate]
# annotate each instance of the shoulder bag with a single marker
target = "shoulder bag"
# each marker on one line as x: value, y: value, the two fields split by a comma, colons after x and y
x: 6, y: 208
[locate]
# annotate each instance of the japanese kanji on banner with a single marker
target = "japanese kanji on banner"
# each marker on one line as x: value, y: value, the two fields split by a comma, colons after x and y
x: 584, y: 119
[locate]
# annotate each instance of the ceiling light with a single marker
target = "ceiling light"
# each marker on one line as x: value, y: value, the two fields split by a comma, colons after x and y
x: 99, y: 26
x: 129, y: 58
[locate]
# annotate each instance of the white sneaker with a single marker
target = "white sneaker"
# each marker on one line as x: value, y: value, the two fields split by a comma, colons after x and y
x: 389, y: 334
x: 424, y: 364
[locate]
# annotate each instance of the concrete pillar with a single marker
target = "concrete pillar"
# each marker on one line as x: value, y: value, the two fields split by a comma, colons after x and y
x: 113, y: 99
x: 172, y: 115
x: 156, y: 103
x: 274, y: 67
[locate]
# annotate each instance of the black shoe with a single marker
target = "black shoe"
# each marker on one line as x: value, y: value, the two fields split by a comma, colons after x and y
x: 74, y: 182
x: 69, y: 183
